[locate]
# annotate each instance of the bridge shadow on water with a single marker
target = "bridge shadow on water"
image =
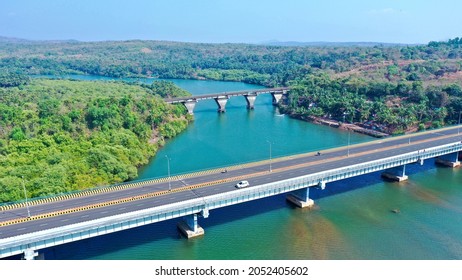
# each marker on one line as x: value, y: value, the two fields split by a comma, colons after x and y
x: 366, y: 180
x: 167, y: 230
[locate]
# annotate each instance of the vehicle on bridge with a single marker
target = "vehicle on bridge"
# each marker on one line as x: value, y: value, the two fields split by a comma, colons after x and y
x: 55, y: 222
x: 242, y: 184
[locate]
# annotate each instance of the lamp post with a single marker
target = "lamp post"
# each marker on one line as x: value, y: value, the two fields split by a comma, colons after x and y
x: 25, y: 195
x: 270, y: 168
x: 348, y: 149
x: 168, y: 171
x: 458, y: 127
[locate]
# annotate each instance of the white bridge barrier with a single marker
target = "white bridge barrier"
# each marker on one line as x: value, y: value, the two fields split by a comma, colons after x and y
x: 31, y: 242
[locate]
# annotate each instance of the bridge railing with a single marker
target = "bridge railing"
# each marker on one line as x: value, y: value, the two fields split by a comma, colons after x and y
x: 231, y: 93
x: 56, y: 236
x: 242, y: 195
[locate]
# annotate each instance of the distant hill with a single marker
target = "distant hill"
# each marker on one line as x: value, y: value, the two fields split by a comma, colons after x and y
x: 12, y: 40
x: 332, y: 44
x: 4, y: 39
x: 436, y: 62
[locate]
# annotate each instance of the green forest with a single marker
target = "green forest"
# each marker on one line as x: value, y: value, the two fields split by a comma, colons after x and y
x: 60, y: 135
x: 392, y: 108
x: 259, y: 64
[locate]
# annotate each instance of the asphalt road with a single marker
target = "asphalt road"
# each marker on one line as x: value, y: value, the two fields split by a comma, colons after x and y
x: 257, y: 174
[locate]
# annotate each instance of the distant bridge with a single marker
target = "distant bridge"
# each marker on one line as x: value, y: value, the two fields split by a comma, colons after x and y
x: 222, y: 98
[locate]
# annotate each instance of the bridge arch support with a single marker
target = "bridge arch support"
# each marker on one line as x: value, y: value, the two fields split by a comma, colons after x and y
x: 397, y: 173
x: 30, y: 254
x: 250, y: 98
x: 276, y: 97
x: 301, y: 198
x: 221, y: 102
x: 190, y: 227
x: 190, y: 105
x: 450, y: 160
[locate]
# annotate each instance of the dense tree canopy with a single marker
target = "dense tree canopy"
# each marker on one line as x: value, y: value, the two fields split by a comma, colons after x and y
x: 10, y: 79
x: 67, y: 135
x: 261, y: 64
x: 396, y: 107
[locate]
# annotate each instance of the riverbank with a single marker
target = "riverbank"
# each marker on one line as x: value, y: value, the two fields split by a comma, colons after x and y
x: 345, y: 126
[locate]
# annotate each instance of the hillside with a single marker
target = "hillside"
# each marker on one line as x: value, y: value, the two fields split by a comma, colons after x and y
x: 260, y: 64
x: 68, y: 135
x: 58, y: 136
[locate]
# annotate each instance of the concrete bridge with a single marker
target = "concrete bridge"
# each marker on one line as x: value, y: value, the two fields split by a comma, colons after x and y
x: 30, y: 226
x: 222, y: 98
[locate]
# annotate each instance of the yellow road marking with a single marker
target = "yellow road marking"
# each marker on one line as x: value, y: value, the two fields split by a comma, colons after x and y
x: 185, y: 188
x: 203, y: 172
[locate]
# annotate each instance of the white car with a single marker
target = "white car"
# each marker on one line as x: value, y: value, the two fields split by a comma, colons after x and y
x: 242, y: 184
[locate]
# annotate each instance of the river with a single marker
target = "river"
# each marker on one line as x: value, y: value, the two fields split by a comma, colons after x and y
x: 352, y: 218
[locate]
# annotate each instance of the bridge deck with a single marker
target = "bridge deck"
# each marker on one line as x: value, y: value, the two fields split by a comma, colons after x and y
x: 227, y: 94
x: 214, y: 189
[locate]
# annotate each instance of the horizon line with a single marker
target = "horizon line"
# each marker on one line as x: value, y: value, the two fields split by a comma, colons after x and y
x: 267, y: 42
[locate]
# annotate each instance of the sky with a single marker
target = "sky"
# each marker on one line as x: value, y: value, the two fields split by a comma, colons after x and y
x: 233, y: 21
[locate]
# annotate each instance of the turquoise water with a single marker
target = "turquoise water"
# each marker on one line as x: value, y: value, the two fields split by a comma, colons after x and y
x: 352, y: 218
x: 239, y: 135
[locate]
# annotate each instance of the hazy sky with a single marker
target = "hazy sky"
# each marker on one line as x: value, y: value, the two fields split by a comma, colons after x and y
x: 220, y: 21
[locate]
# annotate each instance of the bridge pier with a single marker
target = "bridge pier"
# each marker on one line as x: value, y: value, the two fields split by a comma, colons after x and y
x: 421, y: 161
x: 396, y: 173
x: 29, y: 255
x: 221, y: 102
x: 189, y: 226
x: 190, y: 105
x: 450, y: 160
x: 301, y: 198
x: 250, y: 98
x: 276, y: 97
